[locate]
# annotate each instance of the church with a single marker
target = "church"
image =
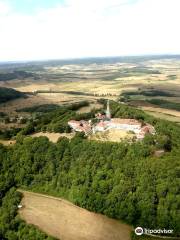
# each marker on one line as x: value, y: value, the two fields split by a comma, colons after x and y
x: 105, y: 122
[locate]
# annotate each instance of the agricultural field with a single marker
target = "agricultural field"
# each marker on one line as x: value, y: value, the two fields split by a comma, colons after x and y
x: 168, y: 114
x: 91, y: 106
x: 138, y: 81
x: 65, y: 221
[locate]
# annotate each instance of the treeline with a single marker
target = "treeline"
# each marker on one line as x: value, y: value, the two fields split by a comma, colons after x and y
x: 7, y: 94
x: 44, y: 108
x: 48, y: 117
x: 54, y: 120
x: 142, y: 70
x: 150, y: 93
x: 66, y: 92
x: 11, y: 226
x: 172, y: 77
x: 121, y: 180
x: 15, y: 75
x: 8, y: 134
x: 165, y: 104
x: 43, y: 166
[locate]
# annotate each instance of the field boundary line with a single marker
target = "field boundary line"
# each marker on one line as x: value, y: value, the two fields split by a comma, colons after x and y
x: 54, y: 198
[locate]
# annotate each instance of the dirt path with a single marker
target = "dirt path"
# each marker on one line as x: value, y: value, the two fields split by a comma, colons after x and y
x: 65, y: 221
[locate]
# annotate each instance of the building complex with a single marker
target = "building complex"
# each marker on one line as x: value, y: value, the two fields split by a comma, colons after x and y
x: 105, y: 122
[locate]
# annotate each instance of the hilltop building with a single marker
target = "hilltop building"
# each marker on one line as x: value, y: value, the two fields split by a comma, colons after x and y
x: 118, y: 123
x: 105, y: 122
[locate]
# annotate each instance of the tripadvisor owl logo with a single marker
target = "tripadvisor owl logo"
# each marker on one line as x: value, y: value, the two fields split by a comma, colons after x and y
x: 139, y: 231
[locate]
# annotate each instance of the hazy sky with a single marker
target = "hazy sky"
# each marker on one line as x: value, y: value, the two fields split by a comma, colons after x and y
x: 55, y: 29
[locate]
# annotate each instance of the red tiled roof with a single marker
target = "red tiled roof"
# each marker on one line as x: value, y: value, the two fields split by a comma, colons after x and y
x: 102, y: 124
x: 82, y: 126
x: 145, y: 129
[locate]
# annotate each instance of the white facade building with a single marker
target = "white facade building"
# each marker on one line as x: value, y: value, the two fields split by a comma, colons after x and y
x: 124, y: 126
x: 106, y: 122
x: 121, y: 124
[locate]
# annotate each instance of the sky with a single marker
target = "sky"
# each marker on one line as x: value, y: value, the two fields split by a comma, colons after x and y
x: 60, y: 29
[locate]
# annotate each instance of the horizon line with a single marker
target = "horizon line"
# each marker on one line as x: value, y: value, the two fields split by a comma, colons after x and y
x: 89, y: 57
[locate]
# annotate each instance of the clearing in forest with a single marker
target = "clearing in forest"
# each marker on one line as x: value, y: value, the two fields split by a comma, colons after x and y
x: 53, y: 137
x: 65, y: 221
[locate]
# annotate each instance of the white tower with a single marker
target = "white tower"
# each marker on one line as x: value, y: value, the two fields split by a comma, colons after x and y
x: 108, y: 113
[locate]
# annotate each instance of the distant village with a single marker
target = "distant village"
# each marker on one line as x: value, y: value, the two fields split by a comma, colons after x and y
x: 105, y: 122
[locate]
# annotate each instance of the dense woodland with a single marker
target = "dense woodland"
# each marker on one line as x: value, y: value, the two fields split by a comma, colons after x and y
x: 121, y: 180
x: 45, y: 108
x: 16, y: 74
x: 7, y: 94
x: 53, y: 118
x: 11, y: 226
x: 149, y: 92
x: 47, y: 117
x: 165, y: 104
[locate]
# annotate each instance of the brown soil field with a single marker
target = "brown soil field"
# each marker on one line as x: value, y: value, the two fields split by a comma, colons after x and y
x: 10, y: 107
x: 65, y: 221
x: 53, y: 137
x: 163, y: 110
x: 163, y: 116
x: 90, y: 107
x: 95, y: 86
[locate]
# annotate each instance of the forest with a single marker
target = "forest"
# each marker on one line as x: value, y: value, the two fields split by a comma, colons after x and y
x: 165, y: 104
x: 53, y: 118
x: 150, y: 93
x: 121, y: 180
x: 7, y: 94
x: 15, y: 75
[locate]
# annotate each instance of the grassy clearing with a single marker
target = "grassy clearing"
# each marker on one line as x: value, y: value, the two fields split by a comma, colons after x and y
x: 63, y: 220
x: 112, y: 135
x: 53, y: 137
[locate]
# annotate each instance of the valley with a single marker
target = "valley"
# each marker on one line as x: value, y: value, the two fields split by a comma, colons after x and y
x: 67, y: 82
